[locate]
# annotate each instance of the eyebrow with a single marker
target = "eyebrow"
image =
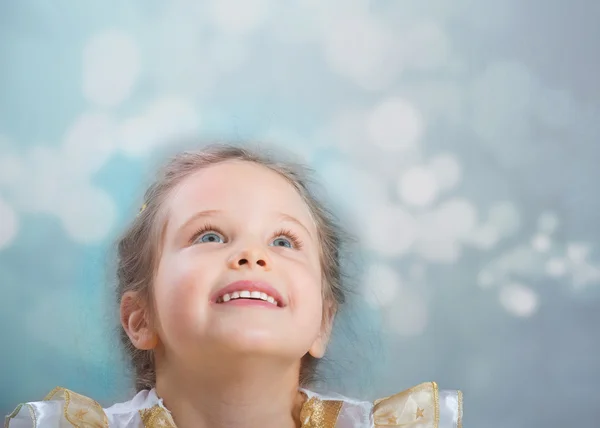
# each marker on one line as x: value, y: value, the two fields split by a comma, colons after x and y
x: 212, y: 213
x: 287, y: 217
x: 199, y: 214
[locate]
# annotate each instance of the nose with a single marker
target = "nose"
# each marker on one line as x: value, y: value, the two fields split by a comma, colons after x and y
x: 250, y: 258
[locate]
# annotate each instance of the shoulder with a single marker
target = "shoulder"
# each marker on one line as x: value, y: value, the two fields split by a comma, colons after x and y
x: 424, y: 404
x: 62, y: 407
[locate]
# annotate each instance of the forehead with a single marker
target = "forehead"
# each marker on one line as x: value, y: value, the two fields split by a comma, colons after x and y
x: 240, y: 188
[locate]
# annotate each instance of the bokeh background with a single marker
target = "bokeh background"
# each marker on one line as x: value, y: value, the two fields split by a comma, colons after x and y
x: 460, y: 139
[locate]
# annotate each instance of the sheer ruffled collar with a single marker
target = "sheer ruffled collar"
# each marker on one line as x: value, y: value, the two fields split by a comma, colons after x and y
x: 423, y: 405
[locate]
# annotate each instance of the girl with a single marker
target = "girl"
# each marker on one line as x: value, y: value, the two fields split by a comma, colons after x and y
x: 229, y: 280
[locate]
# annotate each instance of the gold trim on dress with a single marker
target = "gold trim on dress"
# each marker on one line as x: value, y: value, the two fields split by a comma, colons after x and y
x: 317, y: 413
x: 436, y: 400
x: 460, y: 409
x: 156, y: 417
x: 33, y: 415
x: 16, y: 412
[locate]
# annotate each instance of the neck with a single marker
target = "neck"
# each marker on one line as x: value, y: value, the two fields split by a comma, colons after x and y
x: 242, y: 394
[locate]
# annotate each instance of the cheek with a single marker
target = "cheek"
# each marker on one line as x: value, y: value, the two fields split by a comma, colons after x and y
x: 181, y: 287
x: 309, y: 298
x: 315, y: 314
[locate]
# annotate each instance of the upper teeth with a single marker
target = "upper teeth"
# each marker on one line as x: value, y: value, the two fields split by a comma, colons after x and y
x: 245, y: 294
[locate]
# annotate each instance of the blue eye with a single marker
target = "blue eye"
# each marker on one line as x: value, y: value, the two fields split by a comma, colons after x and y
x: 208, y: 234
x: 210, y: 237
x: 282, y: 242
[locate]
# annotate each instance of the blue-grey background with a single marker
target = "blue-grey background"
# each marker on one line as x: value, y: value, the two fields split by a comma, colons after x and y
x: 460, y: 139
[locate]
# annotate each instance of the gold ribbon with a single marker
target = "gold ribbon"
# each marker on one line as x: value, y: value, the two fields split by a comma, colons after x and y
x: 416, y: 407
x: 79, y: 410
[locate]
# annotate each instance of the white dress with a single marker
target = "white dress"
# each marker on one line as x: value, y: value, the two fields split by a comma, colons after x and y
x: 423, y: 406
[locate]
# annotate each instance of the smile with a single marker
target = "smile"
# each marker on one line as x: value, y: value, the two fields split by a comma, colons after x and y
x: 250, y: 292
x: 247, y: 294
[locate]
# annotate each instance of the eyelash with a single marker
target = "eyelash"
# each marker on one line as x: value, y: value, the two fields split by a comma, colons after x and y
x: 206, y: 228
x: 295, y: 240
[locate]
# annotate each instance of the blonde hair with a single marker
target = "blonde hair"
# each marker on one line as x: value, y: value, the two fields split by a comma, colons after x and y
x: 138, y: 249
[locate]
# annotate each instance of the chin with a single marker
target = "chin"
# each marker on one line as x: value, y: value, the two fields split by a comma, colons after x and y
x: 253, y: 341
x: 260, y: 343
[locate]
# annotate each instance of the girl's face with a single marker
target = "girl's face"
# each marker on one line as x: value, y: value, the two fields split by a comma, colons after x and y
x: 231, y: 222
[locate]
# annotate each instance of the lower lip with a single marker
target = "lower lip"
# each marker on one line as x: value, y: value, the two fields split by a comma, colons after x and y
x: 250, y: 303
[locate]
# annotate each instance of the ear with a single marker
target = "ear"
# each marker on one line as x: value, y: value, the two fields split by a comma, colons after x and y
x: 319, y: 346
x: 135, y: 322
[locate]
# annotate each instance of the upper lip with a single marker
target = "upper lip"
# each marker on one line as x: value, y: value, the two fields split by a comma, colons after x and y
x: 250, y: 285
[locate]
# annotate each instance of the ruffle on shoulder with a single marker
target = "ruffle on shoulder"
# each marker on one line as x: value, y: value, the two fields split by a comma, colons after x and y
x: 423, y: 406
x: 65, y: 408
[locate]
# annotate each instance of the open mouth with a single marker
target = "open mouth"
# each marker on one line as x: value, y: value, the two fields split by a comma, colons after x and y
x: 248, y: 295
x: 249, y: 292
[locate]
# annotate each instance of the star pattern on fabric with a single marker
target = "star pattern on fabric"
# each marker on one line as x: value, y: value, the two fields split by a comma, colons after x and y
x: 80, y: 414
x: 420, y: 413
